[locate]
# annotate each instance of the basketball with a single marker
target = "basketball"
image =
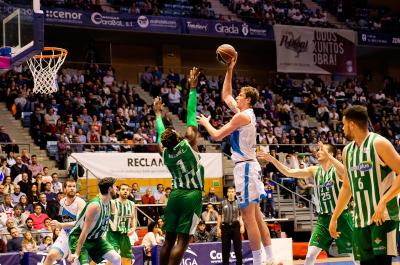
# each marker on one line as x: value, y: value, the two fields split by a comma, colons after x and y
x: 225, y: 53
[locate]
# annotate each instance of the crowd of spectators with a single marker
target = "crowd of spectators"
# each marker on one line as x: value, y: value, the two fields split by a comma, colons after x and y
x: 29, y: 200
x: 359, y: 15
x: 270, y: 12
x: 90, y: 111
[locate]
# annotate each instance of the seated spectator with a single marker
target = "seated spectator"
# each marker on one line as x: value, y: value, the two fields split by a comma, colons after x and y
x: 11, y: 160
x: 35, y: 167
x: 46, y: 177
x: 164, y: 198
x: 19, y: 217
x: 56, y: 233
x: 25, y: 184
x: 211, y: 196
x: 19, y: 168
x: 25, y: 157
x: 159, y: 193
x: 7, y: 207
x: 15, y: 243
x: 6, y: 234
x: 8, y: 185
x: 33, y: 195
x: 4, y: 168
x: 38, y: 217
x: 152, y: 238
x: 50, y: 196
x: 148, y: 198
x: 17, y: 194
x: 201, y: 235
x: 45, y: 246
x: 28, y: 243
x: 56, y: 185
x: 135, y: 193
x: 47, y: 230
x: 211, y: 215
x: 29, y: 225
x: 174, y: 100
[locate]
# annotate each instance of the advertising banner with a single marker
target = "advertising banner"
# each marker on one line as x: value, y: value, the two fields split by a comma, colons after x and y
x: 211, y: 253
x: 227, y: 29
x: 315, y: 50
x: 156, y: 24
x: 39, y: 257
x: 10, y: 258
x: 378, y: 39
x: 139, y: 165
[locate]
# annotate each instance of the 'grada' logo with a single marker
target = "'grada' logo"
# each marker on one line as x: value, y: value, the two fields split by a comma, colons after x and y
x: 294, y: 43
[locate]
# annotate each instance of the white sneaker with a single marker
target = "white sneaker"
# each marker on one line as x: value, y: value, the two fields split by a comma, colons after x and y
x: 271, y: 262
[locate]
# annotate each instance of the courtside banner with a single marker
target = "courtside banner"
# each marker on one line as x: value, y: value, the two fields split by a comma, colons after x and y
x: 315, y: 50
x: 139, y: 165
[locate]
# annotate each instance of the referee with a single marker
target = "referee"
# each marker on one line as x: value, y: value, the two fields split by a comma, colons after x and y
x: 230, y: 227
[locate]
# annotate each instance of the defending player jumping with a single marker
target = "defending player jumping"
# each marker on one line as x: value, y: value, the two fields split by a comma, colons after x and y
x: 181, y: 157
x: 371, y: 168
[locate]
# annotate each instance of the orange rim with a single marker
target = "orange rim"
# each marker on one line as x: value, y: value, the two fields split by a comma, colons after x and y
x: 61, y: 53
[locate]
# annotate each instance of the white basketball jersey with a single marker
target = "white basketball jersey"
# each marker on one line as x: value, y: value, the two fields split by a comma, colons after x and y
x: 69, y: 213
x: 243, y: 140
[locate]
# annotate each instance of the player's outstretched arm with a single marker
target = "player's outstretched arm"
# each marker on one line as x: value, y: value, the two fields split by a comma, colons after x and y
x: 90, y: 216
x: 391, y: 158
x: 238, y: 120
x: 191, y: 121
x: 343, y: 199
x: 295, y: 173
x: 55, y: 223
x: 227, y: 87
x: 158, y: 107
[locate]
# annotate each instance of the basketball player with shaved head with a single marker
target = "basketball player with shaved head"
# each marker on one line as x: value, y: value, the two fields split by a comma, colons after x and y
x: 181, y: 157
x: 327, y: 186
x: 71, y: 206
x: 247, y: 171
x: 371, y: 177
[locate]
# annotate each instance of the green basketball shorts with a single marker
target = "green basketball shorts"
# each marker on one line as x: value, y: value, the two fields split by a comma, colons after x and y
x: 91, y: 249
x: 120, y: 243
x: 321, y: 238
x: 183, y: 211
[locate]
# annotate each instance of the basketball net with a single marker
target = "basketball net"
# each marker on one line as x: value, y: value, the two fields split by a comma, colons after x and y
x: 44, y: 68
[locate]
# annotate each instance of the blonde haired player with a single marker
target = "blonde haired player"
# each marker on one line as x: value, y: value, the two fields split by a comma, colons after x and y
x: 247, y: 171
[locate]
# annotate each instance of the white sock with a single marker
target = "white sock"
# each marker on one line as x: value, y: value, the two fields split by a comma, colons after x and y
x: 257, y: 257
x: 268, y: 252
x: 312, y: 254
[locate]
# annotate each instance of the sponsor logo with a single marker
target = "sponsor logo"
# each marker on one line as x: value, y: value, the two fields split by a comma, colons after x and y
x: 63, y: 15
x: 227, y: 29
x: 362, y: 167
x: 245, y: 29
x: 190, y: 260
x: 143, y: 22
x: 100, y: 19
x: 197, y: 26
x: 294, y: 43
x: 378, y: 240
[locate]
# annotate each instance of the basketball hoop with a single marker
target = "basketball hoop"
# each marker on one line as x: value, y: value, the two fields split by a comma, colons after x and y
x: 44, y: 69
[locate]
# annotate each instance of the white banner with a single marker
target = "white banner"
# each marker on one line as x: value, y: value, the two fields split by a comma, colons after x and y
x: 315, y: 50
x: 139, y: 165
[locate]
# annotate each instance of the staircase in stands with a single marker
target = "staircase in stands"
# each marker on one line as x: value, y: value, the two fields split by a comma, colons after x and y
x: 21, y: 136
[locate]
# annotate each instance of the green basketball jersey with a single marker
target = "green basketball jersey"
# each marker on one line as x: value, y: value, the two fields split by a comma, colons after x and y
x: 184, y: 165
x: 122, y: 218
x: 369, y: 180
x: 327, y: 187
x: 100, y: 225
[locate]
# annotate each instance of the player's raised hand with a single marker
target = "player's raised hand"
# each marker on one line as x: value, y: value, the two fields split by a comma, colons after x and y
x: 379, y: 215
x: 333, y: 229
x: 203, y: 120
x: 55, y: 223
x: 193, y: 76
x: 158, y: 106
x: 233, y: 62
